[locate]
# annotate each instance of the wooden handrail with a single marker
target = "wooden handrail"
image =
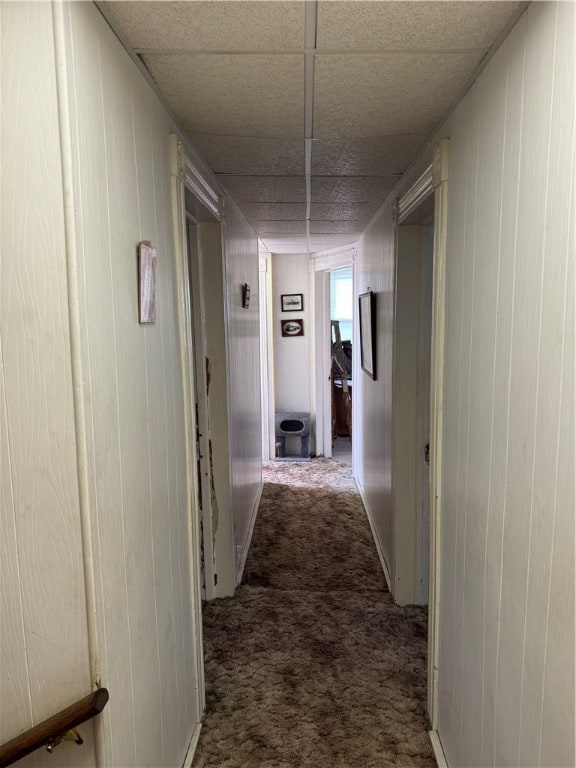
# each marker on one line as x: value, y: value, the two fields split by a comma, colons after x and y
x: 51, y: 730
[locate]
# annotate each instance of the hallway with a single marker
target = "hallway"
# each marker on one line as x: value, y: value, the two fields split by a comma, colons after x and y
x: 311, y: 663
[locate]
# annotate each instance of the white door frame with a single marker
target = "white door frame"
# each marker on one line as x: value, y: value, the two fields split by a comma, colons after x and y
x: 201, y: 420
x: 434, y: 180
x: 186, y: 176
x: 266, y: 356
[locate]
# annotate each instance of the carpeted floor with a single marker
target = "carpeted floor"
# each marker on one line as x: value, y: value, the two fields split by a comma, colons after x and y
x: 310, y: 664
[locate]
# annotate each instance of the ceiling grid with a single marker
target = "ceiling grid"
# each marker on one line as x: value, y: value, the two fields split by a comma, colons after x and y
x: 309, y: 111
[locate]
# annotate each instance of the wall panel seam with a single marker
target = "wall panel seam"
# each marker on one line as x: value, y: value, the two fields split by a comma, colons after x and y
x: 538, y: 352
x: 512, y: 304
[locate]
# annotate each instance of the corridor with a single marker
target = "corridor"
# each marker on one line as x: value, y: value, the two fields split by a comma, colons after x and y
x: 311, y: 663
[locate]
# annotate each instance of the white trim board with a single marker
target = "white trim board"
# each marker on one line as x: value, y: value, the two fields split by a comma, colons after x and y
x: 376, y: 539
x: 438, y: 751
x: 189, y: 759
x: 242, y: 564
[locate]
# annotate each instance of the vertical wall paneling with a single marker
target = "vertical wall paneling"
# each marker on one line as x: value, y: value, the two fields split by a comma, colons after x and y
x: 506, y: 625
x: 524, y: 376
x: 503, y: 464
x: 375, y: 271
x: 44, y: 661
x: 553, y: 503
x: 134, y: 404
x: 243, y: 349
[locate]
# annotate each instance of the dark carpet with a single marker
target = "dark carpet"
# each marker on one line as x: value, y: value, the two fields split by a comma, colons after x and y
x: 311, y: 663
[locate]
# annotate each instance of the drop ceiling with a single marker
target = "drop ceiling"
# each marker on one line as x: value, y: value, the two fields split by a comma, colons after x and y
x: 309, y: 112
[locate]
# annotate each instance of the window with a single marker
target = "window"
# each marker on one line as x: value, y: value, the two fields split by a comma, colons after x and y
x: 341, y: 300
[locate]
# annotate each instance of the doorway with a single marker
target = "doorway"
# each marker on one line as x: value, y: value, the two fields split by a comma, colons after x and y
x: 411, y: 387
x: 421, y: 218
x: 341, y: 335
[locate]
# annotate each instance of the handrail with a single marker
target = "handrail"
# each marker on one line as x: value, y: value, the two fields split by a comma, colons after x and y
x: 50, y: 731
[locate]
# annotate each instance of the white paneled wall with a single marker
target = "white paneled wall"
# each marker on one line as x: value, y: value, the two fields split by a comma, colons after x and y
x: 133, y: 396
x: 44, y: 664
x: 245, y: 409
x: 506, y: 677
x: 373, y: 399
x: 507, y: 623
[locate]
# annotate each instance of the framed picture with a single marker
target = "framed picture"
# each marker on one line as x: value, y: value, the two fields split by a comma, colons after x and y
x: 367, y: 302
x: 292, y: 302
x: 147, y: 262
x: 292, y: 327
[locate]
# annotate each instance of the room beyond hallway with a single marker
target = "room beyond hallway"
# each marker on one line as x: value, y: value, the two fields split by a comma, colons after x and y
x: 311, y: 664
x: 342, y: 450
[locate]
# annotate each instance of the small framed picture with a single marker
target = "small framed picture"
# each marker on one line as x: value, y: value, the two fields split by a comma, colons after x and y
x: 292, y: 327
x: 147, y: 266
x: 292, y: 302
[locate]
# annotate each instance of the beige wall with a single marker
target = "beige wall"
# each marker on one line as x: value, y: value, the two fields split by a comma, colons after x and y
x: 44, y: 660
x: 292, y: 369
x: 507, y: 590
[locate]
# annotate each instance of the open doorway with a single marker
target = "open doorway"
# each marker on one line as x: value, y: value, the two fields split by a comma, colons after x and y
x: 411, y: 382
x: 418, y: 390
x: 341, y: 327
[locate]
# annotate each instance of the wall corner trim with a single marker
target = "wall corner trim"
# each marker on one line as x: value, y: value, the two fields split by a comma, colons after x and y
x: 189, y: 759
x: 438, y: 751
x: 193, y: 179
x: 242, y: 563
x: 440, y: 163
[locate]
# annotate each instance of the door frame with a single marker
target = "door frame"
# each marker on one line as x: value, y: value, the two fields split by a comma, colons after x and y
x: 201, y: 420
x: 185, y: 175
x: 266, y: 355
x: 434, y: 180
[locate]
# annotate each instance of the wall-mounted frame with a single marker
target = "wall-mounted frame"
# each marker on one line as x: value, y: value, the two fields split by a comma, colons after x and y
x: 147, y: 267
x: 292, y: 327
x: 292, y: 302
x: 367, y: 315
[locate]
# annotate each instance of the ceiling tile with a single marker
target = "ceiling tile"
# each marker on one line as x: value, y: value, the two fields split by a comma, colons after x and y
x: 403, y: 25
x: 281, y: 227
x: 286, y: 245
x: 211, y: 26
x: 266, y: 189
x: 378, y: 95
x: 236, y: 155
x: 336, y: 227
x: 351, y: 189
x: 324, y: 242
x: 246, y: 95
x: 347, y: 212
x: 378, y: 156
x: 274, y: 211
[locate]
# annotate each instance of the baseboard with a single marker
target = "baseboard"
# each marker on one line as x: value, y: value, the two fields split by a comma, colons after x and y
x: 242, y: 564
x: 438, y: 751
x: 379, y: 549
x: 192, y: 747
